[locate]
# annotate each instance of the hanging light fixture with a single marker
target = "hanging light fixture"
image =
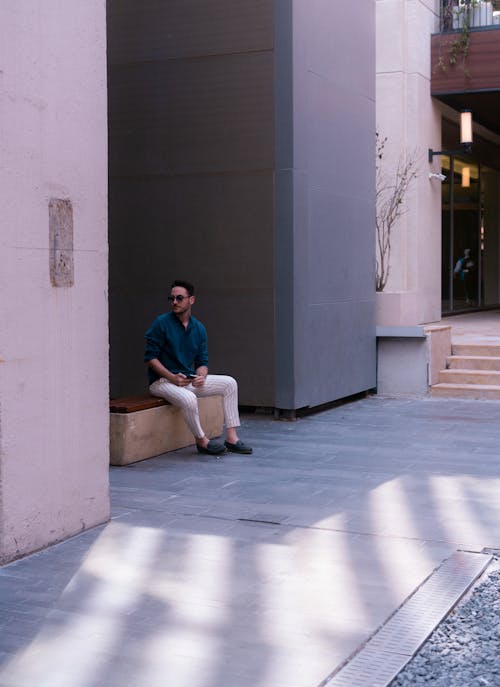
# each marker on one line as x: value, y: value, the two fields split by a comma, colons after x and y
x: 465, y: 177
x: 466, y: 128
x: 465, y: 137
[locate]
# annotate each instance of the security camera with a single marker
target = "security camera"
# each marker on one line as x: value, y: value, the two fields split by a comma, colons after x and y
x: 435, y: 175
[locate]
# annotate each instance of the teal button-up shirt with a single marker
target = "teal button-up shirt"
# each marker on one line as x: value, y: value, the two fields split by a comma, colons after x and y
x: 178, y: 348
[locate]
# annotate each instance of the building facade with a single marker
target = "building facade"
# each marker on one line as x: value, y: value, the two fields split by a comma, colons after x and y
x: 241, y: 156
x: 424, y: 82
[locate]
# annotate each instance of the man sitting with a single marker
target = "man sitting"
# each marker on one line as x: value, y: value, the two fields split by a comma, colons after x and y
x: 177, y: 358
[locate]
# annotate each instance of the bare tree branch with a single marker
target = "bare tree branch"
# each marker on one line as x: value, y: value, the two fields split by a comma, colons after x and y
x: 390, y: 194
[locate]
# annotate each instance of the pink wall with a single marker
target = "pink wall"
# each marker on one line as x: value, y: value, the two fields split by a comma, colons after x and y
x: 54, y: 448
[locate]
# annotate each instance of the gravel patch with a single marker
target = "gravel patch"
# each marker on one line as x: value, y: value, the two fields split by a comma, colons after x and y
x: 464, y: 650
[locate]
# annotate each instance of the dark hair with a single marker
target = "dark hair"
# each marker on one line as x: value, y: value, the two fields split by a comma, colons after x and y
x: 184, y: 285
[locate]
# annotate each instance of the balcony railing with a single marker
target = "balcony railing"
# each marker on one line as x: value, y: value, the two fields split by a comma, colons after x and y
x: 469, y: 14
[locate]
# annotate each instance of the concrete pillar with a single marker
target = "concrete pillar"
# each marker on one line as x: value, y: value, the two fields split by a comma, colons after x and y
x: 54, y: 448
x: 411, y: 121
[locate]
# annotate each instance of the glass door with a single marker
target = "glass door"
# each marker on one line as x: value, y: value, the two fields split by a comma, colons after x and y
x: 489, y: 235
x: 471, y: 235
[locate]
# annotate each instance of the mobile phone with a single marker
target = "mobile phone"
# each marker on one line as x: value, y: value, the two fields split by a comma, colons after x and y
x: 190, y: 375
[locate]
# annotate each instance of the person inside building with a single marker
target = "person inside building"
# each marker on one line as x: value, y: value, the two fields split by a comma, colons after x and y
x: 177, y: 358
x: 464, y: 269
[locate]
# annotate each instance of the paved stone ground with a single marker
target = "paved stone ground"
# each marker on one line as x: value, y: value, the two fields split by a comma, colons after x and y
x: 261, y: 571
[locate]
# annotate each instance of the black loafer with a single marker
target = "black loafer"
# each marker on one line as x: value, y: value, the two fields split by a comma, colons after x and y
x: 238, y: 447
x: 213, y: 448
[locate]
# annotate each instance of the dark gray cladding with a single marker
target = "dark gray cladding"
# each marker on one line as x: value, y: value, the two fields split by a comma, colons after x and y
x: 191, y: 180
x: 325, y: 200
x: 251, y: 175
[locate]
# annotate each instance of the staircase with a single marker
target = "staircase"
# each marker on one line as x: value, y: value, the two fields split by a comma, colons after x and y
x: 472, y: 371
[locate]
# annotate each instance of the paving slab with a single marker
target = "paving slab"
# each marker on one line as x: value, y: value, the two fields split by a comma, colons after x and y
x: 267, y: 570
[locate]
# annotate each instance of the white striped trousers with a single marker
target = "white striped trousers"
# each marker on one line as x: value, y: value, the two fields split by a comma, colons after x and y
x: 186, y: 398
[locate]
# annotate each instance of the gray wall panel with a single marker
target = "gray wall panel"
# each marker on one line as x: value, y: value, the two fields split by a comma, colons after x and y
x: 285, y: 306
x: 191, y: 122
x: 341, y: 267
x: 338, y: 40
x: 337, y: 133
x: 333, y: 92
x: 182, y: 116
x: 242, y: 337
x: 215, y: 231
x: 340, y: 344
x: 150, y: 30
x: 242, y: 158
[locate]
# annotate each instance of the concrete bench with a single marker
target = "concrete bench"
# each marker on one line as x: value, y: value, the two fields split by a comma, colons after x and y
x: 144, y: 426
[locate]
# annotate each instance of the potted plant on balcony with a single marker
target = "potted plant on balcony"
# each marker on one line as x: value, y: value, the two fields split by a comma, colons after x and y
x: 461, y: 15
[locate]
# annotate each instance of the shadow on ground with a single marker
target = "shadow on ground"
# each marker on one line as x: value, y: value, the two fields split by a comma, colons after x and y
x: 259, y: 571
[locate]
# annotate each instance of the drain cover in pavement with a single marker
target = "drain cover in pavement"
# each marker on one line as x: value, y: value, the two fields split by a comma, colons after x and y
x: 390, y: 649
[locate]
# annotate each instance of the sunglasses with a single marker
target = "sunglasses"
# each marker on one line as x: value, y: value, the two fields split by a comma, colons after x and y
x: 179, y: 299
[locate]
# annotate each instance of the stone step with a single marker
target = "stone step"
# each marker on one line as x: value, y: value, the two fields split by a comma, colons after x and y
x: 489, y: 377
x: 473, y: 362
x: 491, y: 350
x: 476, y: 391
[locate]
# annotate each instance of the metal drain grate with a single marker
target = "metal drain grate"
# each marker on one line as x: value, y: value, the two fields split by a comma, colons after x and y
x: 390, y: 649
x: 369, y: 669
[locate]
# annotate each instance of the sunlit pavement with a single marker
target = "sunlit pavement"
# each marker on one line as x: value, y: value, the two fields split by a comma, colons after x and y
x: 481, y: 327
x: 261, y: 571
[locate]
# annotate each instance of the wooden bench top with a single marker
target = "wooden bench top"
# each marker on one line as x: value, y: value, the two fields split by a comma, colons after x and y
x: 132, y: 404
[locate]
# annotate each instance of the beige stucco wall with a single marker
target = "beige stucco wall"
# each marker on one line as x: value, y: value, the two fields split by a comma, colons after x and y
x: 411, y: 121
x: 53, y: 340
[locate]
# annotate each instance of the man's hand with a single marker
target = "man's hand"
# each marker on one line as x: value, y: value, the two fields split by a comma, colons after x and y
x: 181, y: 379
x: 198, y: 381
